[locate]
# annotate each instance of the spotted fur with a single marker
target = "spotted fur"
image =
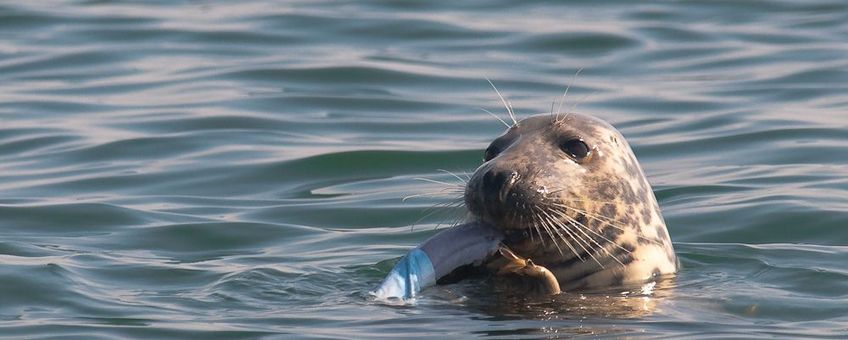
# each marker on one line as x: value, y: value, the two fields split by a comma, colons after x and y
x: 593, y: 221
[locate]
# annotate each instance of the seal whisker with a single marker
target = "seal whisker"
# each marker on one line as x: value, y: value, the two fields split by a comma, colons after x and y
x: 535, y: 223
x: 582, y: 228
x: 496, y: 117
x: 559, y: 190
x: 554, y: 233
x: 579, y: 238
x: 438, y: 182
x: 433, y: 193
x: 454, y: 202
x: 592, y: 249
x: 454, y: 175
x: 552, y: 222
x: 532, y: 226
x: 562, y: 100
x: 588, y: 214
x: 601, y: 220
x: 598, y: 201
x: 554, y: 118
x: 549, y: 226
x: 606, y: 221
x: 512, y: 109
x: 549, y: 229
x: 538, y: 231
x: 504, y: 101
x: 436, y: 208
x: 571, y: 233
x: 458, y: 217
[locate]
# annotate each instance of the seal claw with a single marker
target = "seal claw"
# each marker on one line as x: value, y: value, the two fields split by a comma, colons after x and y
x: 525, y: 268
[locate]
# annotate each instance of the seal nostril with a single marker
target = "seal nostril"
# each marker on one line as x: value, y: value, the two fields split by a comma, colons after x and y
x: 508, y: 182
x: 500, y: 179
x: 492, y: 183
x: 499, y: 183
x: 489, y: 179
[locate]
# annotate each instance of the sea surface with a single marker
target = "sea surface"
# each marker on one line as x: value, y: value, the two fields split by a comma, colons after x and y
x: 223, y: 169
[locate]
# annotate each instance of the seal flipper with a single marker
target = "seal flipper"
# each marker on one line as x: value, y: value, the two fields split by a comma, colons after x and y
x: 537, y: 277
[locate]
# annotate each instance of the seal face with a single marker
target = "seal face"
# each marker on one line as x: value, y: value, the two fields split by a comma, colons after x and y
x: 570, y: 195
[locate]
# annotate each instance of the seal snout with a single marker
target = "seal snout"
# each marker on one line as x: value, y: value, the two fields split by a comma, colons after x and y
x: 498, y: 195
x: 498, y: 183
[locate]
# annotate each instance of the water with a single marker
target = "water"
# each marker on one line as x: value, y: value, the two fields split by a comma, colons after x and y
x: 235, y: 170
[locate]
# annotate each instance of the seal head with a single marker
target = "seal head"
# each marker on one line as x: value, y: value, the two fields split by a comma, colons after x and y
x: 570, y: 195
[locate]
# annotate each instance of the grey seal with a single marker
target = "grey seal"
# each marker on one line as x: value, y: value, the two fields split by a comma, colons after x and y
x: 570, y: 196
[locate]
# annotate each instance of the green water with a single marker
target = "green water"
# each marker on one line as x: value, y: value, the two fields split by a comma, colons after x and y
x: 215, y: 169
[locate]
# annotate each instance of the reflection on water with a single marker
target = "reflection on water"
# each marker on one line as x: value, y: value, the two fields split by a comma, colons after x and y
x: 629, y: 302
x: 566, y: 314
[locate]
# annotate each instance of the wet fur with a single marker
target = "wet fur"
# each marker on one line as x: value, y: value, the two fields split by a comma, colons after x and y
x: 592, y: 222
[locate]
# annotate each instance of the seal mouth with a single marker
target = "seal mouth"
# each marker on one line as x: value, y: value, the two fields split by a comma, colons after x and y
x: 517, y: 236
x: 532, y: 218
x: 514, y: 207
x: 506, y: 200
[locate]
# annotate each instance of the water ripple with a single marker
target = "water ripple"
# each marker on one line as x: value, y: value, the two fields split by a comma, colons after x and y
x: 237, y: 170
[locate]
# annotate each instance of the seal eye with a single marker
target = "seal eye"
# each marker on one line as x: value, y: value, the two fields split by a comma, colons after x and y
x: 490, y: 153
x: 576, y: 148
